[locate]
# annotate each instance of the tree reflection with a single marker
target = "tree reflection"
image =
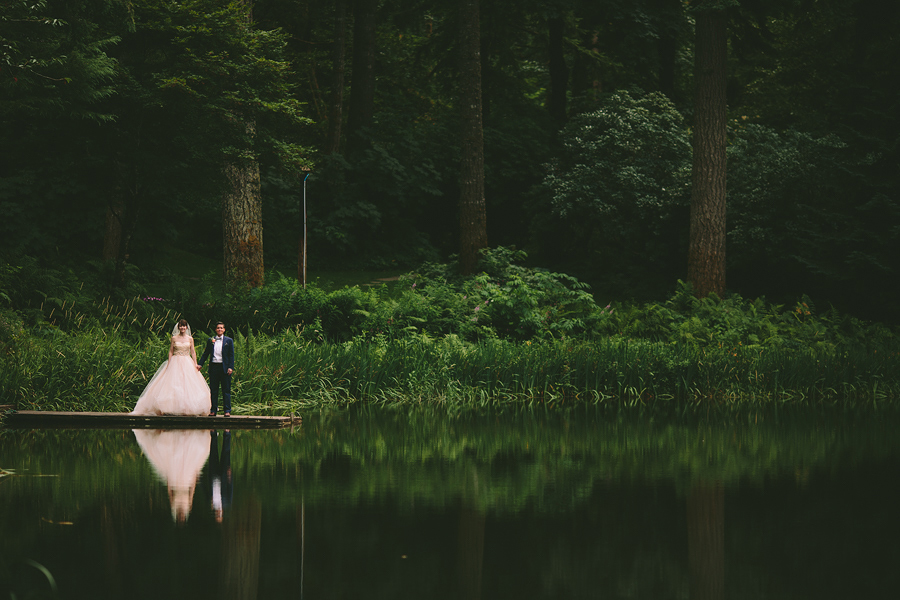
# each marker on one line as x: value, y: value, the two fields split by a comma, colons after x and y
x: 706, y: 540
x: 471, y: 552
x: 239, y: 563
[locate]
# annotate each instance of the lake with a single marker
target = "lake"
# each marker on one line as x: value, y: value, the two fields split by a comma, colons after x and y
x: 426, y: 503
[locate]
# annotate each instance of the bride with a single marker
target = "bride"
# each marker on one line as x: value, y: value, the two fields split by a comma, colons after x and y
x: 177, y: 387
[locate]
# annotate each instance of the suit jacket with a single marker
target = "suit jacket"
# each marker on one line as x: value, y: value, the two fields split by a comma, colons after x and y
x: 227, y: 352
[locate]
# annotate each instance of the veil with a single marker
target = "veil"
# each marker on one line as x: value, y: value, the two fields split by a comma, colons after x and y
x: 176, y: 332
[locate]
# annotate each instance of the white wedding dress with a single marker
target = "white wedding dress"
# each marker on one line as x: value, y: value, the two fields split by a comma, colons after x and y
x: 177, y: 387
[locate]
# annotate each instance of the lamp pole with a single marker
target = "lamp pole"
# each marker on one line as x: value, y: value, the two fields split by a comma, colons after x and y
x: 302, y: 266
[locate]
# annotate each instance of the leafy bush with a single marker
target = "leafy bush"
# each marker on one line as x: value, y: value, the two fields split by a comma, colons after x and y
x: 514, y: 301
x: 614, y: 201
x: 734, y: 321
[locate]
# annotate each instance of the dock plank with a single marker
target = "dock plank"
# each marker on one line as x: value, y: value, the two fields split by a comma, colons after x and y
x: 108, y: 420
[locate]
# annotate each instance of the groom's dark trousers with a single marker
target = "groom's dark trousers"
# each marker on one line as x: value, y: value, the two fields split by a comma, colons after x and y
x: 218, y: 377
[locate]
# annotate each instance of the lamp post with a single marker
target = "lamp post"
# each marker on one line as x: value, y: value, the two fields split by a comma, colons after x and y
x: 301, y: 266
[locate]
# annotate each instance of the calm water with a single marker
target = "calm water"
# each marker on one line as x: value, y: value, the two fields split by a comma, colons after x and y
x: 400, y: 504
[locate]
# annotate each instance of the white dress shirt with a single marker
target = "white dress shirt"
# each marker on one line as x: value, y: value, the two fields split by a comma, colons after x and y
x: 217, y: 350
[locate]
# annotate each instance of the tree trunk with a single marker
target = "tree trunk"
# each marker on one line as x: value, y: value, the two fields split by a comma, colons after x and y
x: 112, y: 235
x: 336, y: 105
x: 121, y: 221
x: 242, y: 230
x: 242, y: 225
x: 362, y: 76
x: 559, y: 72
x: 667, y: 12
x: 706, y: 255
x: 472, y: 218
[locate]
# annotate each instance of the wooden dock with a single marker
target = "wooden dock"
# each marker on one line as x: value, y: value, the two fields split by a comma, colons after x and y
x: 108, y: 420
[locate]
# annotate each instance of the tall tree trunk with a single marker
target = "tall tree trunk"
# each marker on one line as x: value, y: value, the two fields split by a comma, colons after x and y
x: 362, y: 76
x: 112, y: 233
x: 336, y: 104
x: 129, y: 222
x: 121, y: 221
x: 242, y: 230
x: 586, y: 78
x: 666, y: 13
x: 706, y: 255
x: 472, y: 218
x: 242, y: 225
x: 559, y: 72
x: 667, y: 50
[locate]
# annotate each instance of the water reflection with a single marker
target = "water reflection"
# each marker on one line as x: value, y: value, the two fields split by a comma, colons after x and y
x: 220, y: 482
x: 413, y: 505
x: 706, y: 540
x: 177, y: 457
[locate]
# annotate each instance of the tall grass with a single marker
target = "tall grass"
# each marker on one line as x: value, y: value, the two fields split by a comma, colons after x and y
x: 288, y: 371
x: 106, y: 368
x: 94, y: 370
x: 102, y: 369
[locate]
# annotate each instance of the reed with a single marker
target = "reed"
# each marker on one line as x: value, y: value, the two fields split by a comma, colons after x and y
x: 97, y: 369
x: 286, y: 372
x: 104, y: 369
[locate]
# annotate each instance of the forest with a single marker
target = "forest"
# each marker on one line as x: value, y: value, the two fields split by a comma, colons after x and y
x: 720, y: 174
x: 133, y: 128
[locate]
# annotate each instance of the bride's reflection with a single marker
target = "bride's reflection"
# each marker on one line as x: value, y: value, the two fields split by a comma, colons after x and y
x: 178, y: 457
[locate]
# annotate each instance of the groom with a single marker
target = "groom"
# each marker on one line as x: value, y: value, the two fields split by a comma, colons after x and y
x: 220, y: 349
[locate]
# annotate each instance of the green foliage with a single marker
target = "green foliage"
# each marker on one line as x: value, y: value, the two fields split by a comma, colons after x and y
x: 615, y: 197
x: 515, y: 301
x: 101, y: 369
x: 109, y: 103
x: 223, y: 73
x: 626, y: 159
x: 371, y: 206
x: 755, y: 324
x: 829, y: 240
x: 511, y: 334
x: 180, y: 86
x: 53, y: 59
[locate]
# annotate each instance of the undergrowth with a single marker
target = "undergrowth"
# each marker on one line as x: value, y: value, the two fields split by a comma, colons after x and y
x: 510, y: 334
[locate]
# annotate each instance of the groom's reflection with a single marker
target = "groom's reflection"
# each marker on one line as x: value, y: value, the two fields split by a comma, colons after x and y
x: 178, y: 457
x: 219, y: 484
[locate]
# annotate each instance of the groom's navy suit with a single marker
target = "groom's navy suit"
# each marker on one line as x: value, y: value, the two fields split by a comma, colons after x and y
x: 218, y: 373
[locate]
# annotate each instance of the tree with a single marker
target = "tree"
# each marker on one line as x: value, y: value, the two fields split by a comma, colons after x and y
x: 242, y: 205
x: 706, y: 253
x: 53, y: 60
x: 559, y: 71
x: 362, y: 75
x: 55, y: 76
x: 472, y: 218
x: 225, y: 84
x: 613, y: 203
x: 336, y: 105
